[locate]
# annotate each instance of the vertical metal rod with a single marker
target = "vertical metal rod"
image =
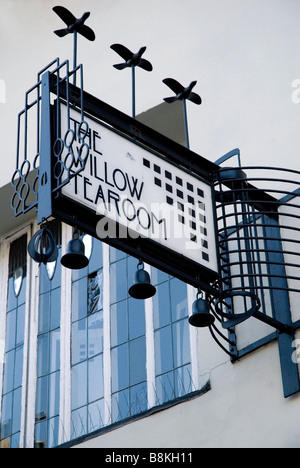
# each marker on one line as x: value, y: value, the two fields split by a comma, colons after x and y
x: 75, y: 56
x: 133, y: 92
x: 186, y: 124
x: 45, y: 183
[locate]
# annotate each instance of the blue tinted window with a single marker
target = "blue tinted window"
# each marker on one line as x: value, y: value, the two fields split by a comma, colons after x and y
x: 87, y: 401
x: 137, y: 360
x: 120, y: 368
x: 79, y: 341
x: 79, y: 299
x: 161, y: 305
x: 95, y: 334
x: 119, y: 323
x: 95, y: 375
x: 79, y: 385
x: 118, y: 281
x: 172, y: 340
x: 163, y: 350
x: 178, y: 295
x: 120, y: 405
x: 136, y: 317
x: 181, y: 343
x: 14, y: 352
x: 48, y: 349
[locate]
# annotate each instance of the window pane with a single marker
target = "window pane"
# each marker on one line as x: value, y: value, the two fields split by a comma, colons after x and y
x: 136, y: 313
x: 137, y: 359
x: 11, y: 297
x: 55, y: 309
x: 116, y: 255
x: 15, y: 441
x: 96, y: 415
x: 161, y: 306
x: 54, y: 380
x: 95, y: 334
x: 95, y: 292
x: 120, y: 368
x: 20, y: 325
x: 40, y: 436
x: 132, y: 264
x: 54, y: 351
x: 79, y: 341
x: 53, y: 430
x: 79, y: 423
x: 43, y: 355
x: 181, y: 343
x: 44, y: 280
x: 164, y: 388
x: 18, y: 367
x: 22, y: 294
x: 79, y: 299
x: 56, y: 280
x: 44, y: 313
x: 119, y: 324
x: 179, y: 305
x: 138, y: 399
x: 11, y: 330
x: 8, y: 383
x: 6, y: 415
x: 183, y: 381
x: 163, y: 350
x: 79, y: 385
x: 118, y: 281
x: 96, y: 260
x: 120, y: 406
x: 158, y: 276
x: 95, y: 383
x: 41, y: 408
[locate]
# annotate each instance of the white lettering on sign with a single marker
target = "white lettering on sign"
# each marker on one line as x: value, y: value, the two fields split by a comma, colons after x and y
x: 127, y: 184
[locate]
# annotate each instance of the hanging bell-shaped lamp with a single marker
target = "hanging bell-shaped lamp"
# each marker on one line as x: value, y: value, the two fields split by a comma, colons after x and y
x: 142, y: 287
x: 75, y: 258
x: 201, y: 316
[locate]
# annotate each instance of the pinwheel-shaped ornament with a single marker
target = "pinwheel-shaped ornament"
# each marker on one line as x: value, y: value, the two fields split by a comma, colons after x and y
x: 74, y: 26
x: 183, y: 94
x: 132, y: 61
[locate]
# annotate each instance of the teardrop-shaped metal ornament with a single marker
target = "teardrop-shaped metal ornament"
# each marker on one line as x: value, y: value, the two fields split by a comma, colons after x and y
x: 42, y: 247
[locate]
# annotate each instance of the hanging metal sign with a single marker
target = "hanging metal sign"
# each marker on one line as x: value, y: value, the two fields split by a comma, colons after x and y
x: 138, y: 199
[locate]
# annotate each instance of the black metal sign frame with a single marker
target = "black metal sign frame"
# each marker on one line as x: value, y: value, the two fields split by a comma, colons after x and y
x: 73, y: 213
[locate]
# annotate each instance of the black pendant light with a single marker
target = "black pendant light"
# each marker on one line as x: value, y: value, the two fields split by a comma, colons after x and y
x: 201, y: 316
x: 75, y: 258
x: 142, y: 287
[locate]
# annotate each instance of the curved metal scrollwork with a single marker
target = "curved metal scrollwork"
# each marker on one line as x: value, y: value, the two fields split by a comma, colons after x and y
x: 42, y: 247
x: 236, y: 319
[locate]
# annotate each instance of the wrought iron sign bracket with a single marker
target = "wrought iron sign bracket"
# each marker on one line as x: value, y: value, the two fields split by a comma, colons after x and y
x: 44, y: 210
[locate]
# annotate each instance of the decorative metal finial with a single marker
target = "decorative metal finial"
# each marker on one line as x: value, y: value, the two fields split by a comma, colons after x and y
x: 74, y: 26
x: 183, y: 94
x: 131, y: 60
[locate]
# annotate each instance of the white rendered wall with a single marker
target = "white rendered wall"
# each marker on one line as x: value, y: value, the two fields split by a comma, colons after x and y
x: 245, y: 58
x: 242, y: 53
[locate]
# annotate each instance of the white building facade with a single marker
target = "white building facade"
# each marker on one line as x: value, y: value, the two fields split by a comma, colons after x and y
x: 84, y: 365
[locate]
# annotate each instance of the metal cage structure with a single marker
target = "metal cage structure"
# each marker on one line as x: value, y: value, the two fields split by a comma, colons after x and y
x: 32, y: 185
x: 258, y: 216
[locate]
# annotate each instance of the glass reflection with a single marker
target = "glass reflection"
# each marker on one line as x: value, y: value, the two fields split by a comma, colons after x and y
x: 18, y: 279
